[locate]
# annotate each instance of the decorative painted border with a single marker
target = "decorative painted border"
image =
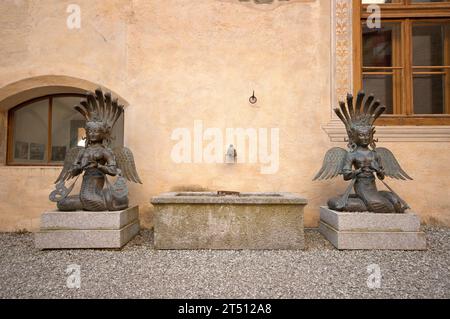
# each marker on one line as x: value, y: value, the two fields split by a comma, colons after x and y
x: 342, y: 82
x: 342, y: 62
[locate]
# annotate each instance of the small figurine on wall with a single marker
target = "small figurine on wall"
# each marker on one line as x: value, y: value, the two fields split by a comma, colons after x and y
x: 96, y: 160
x: 363, y: 161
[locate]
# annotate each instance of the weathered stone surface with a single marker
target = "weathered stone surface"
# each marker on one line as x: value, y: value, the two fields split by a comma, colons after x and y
x: 374, y: 240
x: 209, y: 222
x: 366, y: 221
x: 213, y: 198
x: 61, y: 239
x: 372, y: 231
x: 84, y: 229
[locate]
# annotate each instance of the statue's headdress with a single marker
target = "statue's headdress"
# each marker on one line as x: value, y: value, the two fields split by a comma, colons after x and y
x: 359, y: 115
x: 100, y: 109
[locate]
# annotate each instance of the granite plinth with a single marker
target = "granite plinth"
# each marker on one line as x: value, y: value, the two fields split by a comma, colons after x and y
x: 82, y: 229
x: 367, y: 230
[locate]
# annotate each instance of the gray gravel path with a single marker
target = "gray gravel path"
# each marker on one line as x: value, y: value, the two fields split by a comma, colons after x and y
x: 138, y: 271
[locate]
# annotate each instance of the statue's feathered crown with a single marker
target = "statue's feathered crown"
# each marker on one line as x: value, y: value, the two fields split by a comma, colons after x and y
x: 359, y: 114
x: 102, y: 109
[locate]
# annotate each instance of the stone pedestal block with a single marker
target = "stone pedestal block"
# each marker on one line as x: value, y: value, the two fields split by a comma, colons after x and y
x: 204, y: 220
x: 82, y: 229
x: 367, y: 230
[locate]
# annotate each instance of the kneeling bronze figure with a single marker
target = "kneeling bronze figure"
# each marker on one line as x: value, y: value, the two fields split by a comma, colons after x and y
x: 362, y: 162
x: 96, y: 160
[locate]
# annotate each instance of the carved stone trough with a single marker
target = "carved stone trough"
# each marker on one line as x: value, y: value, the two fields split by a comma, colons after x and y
x: 222, y: 220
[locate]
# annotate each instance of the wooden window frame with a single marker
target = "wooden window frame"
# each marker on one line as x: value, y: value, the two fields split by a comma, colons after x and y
x: 9, y: 149
x: 405, y: 13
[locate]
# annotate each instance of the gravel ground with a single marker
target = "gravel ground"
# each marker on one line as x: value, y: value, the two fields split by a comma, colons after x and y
x: 138, y: 271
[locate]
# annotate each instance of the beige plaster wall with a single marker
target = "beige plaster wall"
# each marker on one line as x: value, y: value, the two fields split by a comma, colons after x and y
x: 177, y: 61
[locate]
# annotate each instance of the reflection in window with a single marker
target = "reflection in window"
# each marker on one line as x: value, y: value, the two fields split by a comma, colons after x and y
x: 429, y: 94
x: 431, y: 62
x: 30, y: 133
x: 428, y: 44
x: 381, y: 87
x: 380, y: 65
x: 377, y: 45
x: 44, y: 129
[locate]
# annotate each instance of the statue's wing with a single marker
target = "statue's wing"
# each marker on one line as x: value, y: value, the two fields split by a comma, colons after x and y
x: 390, y: 165
x: 71, y: 156
x: 332, y: 164
x: 125, y: 162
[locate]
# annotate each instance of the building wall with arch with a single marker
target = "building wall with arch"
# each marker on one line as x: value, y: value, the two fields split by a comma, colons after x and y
x: 174, y: 62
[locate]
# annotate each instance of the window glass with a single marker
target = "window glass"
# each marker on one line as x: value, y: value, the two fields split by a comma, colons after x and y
x: 377, y: 44
x: 431, y: 62
x: 67, y: 126
x: 30, y: 134
x: 381, y: 87
x: 429, y: 94
x: 35, y: 142
x: 428, y: 44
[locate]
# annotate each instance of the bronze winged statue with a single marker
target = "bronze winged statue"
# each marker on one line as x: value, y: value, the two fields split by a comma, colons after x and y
x: 362, y: 161
x: 96, y: 160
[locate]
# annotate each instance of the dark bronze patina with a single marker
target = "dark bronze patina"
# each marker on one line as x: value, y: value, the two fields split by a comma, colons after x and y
x: 362, y: 161
x: 96, y: 160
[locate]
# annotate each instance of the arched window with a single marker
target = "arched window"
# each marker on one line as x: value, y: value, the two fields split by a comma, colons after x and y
x: 41, y: 130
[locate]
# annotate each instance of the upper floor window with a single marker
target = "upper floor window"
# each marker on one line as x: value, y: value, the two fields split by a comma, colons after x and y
x: 40, y: 131
x: 405, y: 61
